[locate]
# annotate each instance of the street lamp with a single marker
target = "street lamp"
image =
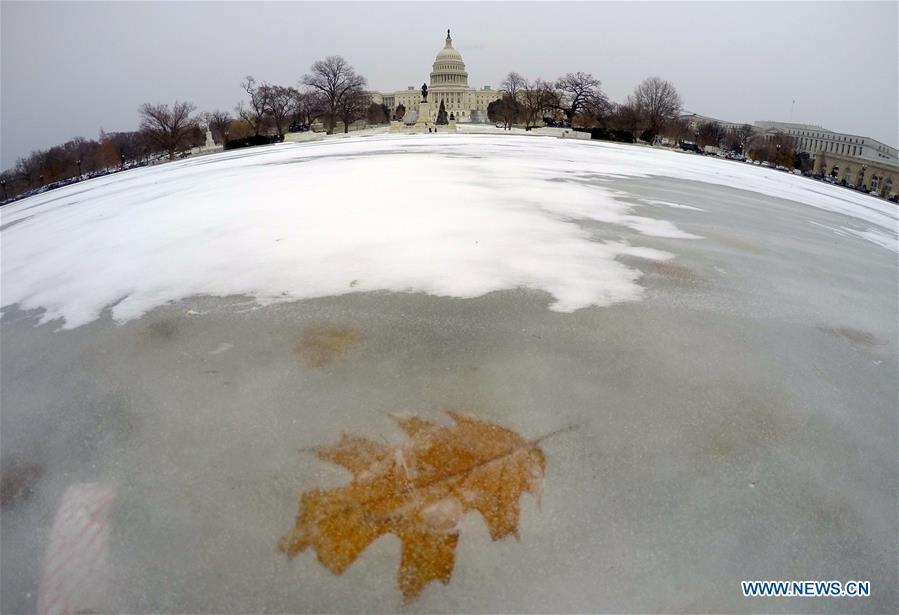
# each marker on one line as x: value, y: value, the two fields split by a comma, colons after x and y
x: 3, y: 183
x: 122, y: 166
x: 78, y: 162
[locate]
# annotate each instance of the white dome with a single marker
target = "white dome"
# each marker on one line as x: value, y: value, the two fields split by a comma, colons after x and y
x: 449, y: 68
x: 448, y: 53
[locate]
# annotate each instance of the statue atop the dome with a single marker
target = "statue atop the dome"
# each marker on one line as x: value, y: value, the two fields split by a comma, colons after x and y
x: 424, y: 92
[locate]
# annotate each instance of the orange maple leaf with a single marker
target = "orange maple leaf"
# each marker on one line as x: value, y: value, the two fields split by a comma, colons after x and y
x: 418, y: 492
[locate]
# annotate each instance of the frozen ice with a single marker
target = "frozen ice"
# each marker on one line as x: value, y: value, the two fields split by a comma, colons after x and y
x: 722, y: 383
x: 454, y: 216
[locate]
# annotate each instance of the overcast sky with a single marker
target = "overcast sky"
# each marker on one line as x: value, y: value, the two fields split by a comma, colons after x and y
x: 70, y: 68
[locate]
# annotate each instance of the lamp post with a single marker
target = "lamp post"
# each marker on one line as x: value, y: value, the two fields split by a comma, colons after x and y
x: 78, y: 162
x: 122, y: 165
x: 3, y: 183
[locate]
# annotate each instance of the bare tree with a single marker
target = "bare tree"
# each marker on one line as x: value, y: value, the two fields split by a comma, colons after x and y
x: 627, y: 117
x: 307, y: 106
x: 255, y: 111
x: 278, y: 102
x: 512, y: 85
x: 743, y: 136
x: 596, y: 112
x: 677, y: 130
x: 508, y: 111
x: 338, y: 83
x: 400, y: 111
x: 536, y: 97
x: 353, y: 106
x: 712, y: 134
x: 577, y: 91
x: 782, y: 149
x: 218, y: 123
x: 168, y: 129
x: 778, y: 148
x: 658, y: 102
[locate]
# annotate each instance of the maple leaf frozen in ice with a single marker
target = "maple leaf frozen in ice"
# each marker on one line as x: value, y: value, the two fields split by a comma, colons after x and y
x: 418, y: 492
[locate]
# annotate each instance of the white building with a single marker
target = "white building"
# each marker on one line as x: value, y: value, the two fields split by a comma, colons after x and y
x: 813, y: 139
x: 448, y: 84
x: 695, y: 121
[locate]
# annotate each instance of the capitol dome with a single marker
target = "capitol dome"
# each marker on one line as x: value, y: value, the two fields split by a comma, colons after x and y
x: 448, y: 70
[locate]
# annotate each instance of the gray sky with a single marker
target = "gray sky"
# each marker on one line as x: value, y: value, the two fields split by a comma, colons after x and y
x: 70, y: 68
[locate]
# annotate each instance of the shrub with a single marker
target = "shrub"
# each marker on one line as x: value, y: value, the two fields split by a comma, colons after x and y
x: 253, y: 141
x: 606, y: 134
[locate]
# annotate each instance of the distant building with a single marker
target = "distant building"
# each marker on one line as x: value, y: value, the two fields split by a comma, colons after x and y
x: 448, y: 84
x: 880, y: 177
x: 852, y: 160
x: 813, y: 139
x: 695, y: 121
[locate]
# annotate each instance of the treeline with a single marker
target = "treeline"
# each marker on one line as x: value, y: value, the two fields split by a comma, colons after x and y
x: 331, y: 92
x: 652, y: 113
x: 777, y: 148
x: 576, y: 100
x: 82, y: 158
x: 741, y: 140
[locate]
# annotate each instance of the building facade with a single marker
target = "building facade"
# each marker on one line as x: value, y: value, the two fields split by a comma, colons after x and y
x: 695, y: 121
x: 448, y: 83
x: 814, y: 139
x: 880, y: 177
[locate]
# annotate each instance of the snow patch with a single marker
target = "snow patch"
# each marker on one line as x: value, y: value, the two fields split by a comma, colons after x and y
x: 448, y: 215
x: 670, y: 204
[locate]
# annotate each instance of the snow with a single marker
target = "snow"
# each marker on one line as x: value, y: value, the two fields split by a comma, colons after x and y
x: 670, y: 204
x: 448, y: 215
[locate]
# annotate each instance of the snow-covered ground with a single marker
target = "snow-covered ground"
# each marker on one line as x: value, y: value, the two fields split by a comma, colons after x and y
x: 715, y: 343
x: 448, y: 215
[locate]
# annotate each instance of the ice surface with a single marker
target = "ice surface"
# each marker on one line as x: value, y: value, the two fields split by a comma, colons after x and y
x: 737, y: 422
x: 455, y: 216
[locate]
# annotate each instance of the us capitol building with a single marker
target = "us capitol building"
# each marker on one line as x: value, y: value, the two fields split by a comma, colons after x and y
x: 448, y: 84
